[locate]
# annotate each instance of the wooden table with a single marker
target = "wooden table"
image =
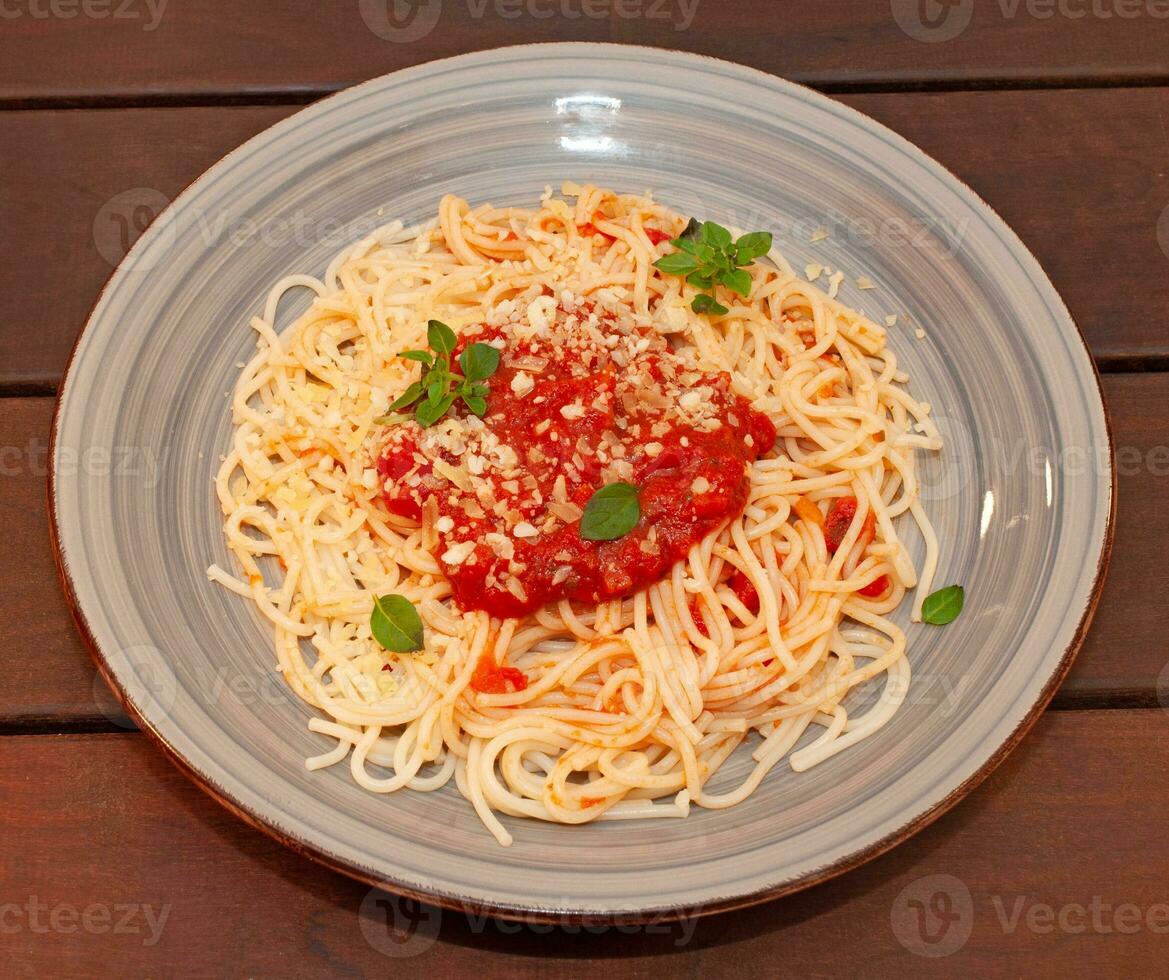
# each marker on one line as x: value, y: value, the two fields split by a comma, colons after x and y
x: 110, y: 861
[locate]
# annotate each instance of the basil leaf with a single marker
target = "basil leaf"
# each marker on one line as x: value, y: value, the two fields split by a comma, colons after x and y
x: 476, y: 404
x: 737, y: 281
x: 699, y: 280
x: 612, y: 512
x: 479, y: 361
x: 440, y: 337
x: 482, y: 391
x: 943, y: 606
x: 430, y: 412
x: 715, y: 235
x: 707, y: 304
x: 676, y: 263
x: 408, y: 397
x: 417, y: 355
x: 752, y: 246
x: 437, y: 385
x: 689, y: 233
x: 395, y: 624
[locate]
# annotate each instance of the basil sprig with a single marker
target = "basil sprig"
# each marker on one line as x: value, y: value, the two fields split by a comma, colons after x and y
x: 432, y: 395
x: 943, y: 606
x: 707, y: 257
x: 395, y: 624
x: 612, y: 512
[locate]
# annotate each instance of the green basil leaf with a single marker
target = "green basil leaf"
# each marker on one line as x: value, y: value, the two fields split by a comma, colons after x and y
x: 480, y: 391
x: 479, y: 361
x: 685, y: 245
x: 430, y: 412
x: 436, y: 387
x: 737, y: 281
x: 408, y: 397
x: 395, y: 624
x: 612, y: 512
x: 440, y: 337
x: 752, y: 245
x: 698, y: 280
x: 676, y: 263
x: 943, y: 606
x: 417, y: 355
x: 702, y: 303
x: 689, y: 233
x: 715, y: 235
x: 476, y: 404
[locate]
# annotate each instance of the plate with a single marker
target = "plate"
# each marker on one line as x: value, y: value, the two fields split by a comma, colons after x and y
x: 1022, y: 500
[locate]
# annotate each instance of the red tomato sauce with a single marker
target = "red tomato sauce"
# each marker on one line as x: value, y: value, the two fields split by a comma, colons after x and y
x: 690, y: 480
x: 840, y: 517
x: 490, y: 678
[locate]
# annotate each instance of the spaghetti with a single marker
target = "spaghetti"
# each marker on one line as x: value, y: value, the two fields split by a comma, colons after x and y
x: 616, y: 682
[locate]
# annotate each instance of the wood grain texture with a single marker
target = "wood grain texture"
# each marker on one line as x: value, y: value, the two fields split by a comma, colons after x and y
x: 58, y: 676
x: 62, y: 171
x: 1123, y: 656
x: 81, y: 183
x: 132, y: 49
x: 1072, y: 816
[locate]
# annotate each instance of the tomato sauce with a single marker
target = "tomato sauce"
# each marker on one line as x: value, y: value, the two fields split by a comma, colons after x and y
x: 490, y: 678
x: 840, y: 517
x: 569, y: 421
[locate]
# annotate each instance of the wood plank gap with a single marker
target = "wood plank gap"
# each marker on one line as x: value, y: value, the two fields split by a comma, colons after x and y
x: 307, y: 95
x: 61, y: 725
x: 1064, y: 701
x: 32, y: 388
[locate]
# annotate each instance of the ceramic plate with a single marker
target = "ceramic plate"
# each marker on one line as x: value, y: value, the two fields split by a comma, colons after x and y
x: 1022, y: 499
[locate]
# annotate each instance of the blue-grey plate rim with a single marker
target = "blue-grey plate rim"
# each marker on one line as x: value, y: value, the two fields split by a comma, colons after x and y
x: 520, y: 911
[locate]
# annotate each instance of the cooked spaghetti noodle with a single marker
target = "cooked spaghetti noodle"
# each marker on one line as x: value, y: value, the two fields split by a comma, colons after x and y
x: 626, y: 707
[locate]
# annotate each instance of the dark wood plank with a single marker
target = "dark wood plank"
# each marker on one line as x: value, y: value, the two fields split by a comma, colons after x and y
x: 69, y: 176
x: 1123, y: 657
x: 1125, y: 652
x: 1099, y: 165
x: 87, y: 49
x: 223, y: 899
x: 58, y: 677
